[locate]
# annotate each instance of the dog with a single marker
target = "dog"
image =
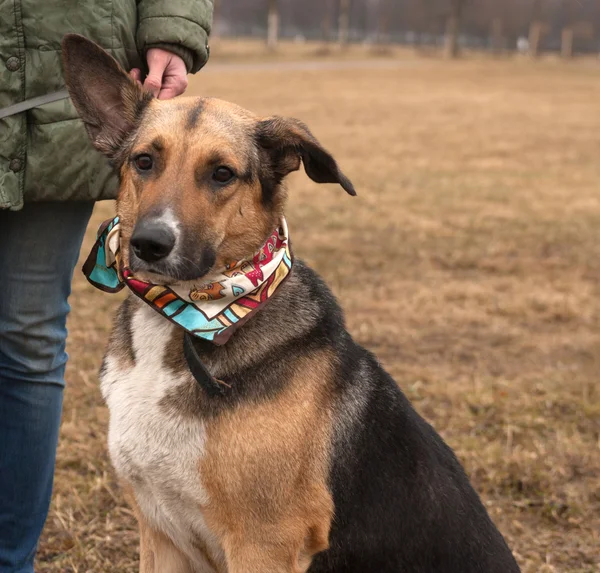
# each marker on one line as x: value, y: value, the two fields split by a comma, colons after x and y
x: 284, y: 447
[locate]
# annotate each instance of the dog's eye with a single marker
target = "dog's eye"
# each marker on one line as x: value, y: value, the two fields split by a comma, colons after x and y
x: 143, y: 162
x: 223, y: 175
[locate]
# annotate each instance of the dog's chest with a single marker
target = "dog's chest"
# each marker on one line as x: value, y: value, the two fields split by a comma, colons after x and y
x: 153, y: 447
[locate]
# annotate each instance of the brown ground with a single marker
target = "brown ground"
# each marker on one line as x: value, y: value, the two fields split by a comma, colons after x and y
x: 470, y: 263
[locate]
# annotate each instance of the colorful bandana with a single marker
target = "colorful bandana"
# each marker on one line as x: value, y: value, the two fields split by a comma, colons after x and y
x: 212, y: 309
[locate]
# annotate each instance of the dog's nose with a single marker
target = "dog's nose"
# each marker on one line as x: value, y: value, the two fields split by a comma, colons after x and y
x: 152, y: 241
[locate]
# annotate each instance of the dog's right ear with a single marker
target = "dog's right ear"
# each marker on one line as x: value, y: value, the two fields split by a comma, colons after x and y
x: 108, y: 100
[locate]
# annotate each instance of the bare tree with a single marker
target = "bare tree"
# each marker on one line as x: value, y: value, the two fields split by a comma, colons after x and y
x: 273, y: 24
x: 451, y: 48
x: 216, y: 19
x: 574, y: 26
x: 499, y: 14
x: 567, y: 32
x: 344, y: 23
x: 536, y: 29
x: 497, y: 35
x: 566, y: 42
x: 383, y: 21
x: 326, y: 21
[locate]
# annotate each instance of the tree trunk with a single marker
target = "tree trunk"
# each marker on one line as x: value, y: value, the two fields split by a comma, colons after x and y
x: 382, y: 22
x: 535, y: 29
x: 570, y: 28
x: 326, y: 21
x: 535, y: 35
x: 344, y: 23
x: 451, y: 40
x: 451, y: 48
x: 216, y: 18
x: 497, y: 36
x: 566, y: 49
x: 273, y: 25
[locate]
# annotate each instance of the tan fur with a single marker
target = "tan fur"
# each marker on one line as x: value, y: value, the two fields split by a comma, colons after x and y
x: 233, y: 220
x: 265, y: 471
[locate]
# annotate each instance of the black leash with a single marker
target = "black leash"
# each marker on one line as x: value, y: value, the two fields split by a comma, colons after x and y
x: 211, y: 385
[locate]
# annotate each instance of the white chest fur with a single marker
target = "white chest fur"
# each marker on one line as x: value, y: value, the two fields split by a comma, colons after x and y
x: 153, y: 448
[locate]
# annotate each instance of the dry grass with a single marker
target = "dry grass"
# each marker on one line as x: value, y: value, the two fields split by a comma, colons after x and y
x: 470, y: 263
x: 238, y: 50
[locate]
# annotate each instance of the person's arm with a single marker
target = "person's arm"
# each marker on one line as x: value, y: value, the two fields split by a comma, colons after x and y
x: 172, y: 36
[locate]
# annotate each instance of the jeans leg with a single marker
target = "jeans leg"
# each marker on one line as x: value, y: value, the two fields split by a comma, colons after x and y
x: 39, y: 247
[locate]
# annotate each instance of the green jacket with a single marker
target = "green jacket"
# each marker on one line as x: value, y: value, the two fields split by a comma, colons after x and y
x: 45, y: 153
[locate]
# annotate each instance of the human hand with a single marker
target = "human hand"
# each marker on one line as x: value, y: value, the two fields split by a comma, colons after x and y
x: 167, y: 75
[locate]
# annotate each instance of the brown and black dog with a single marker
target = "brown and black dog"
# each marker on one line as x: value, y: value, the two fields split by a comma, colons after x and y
x: 313, y: 459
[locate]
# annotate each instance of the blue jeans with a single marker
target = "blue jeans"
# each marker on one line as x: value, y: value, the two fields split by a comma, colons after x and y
x: 39, y: 248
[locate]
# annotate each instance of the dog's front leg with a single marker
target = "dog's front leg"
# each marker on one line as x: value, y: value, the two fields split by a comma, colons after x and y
x: 275, y: 552
x: 248, y: 563
x: 158, y: 554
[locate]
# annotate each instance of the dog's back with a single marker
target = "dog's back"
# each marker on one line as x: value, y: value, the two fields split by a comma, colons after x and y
x: 402, y: 500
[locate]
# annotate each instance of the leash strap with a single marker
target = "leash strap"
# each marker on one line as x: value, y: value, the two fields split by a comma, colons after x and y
x: 33, y: 102
x: 212, y: 386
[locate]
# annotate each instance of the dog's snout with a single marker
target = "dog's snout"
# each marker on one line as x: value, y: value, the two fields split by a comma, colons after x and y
x: 152, y: 241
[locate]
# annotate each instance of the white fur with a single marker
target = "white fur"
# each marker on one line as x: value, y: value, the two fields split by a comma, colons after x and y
x: 168, y: 219
x: 155, y: 450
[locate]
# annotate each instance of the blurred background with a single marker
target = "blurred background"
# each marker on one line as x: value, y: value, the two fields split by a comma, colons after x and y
x: 469, y: 262
x: 566, y: 26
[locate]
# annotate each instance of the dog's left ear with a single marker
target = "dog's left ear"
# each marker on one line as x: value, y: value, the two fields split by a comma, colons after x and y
x: 287, y: 141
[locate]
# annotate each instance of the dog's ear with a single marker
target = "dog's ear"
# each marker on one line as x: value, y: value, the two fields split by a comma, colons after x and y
x: 108, y: 100
x: 288, y: 141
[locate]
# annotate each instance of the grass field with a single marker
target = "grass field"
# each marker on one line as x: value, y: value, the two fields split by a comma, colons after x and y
x: 469, y: 263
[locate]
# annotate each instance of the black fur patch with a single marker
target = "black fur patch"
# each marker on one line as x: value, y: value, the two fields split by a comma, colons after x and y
x: 288, y: 139
x: 121, y: 337
x: 269, y: 180
x: 194, y: 115
x: 195, y: 264
x: 158, y: 144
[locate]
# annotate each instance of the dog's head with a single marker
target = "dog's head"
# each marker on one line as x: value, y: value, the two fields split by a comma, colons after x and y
x: 200, y: 177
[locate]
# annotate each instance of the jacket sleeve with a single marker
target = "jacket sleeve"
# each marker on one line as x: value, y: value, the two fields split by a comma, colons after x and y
x: 180, y: 26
